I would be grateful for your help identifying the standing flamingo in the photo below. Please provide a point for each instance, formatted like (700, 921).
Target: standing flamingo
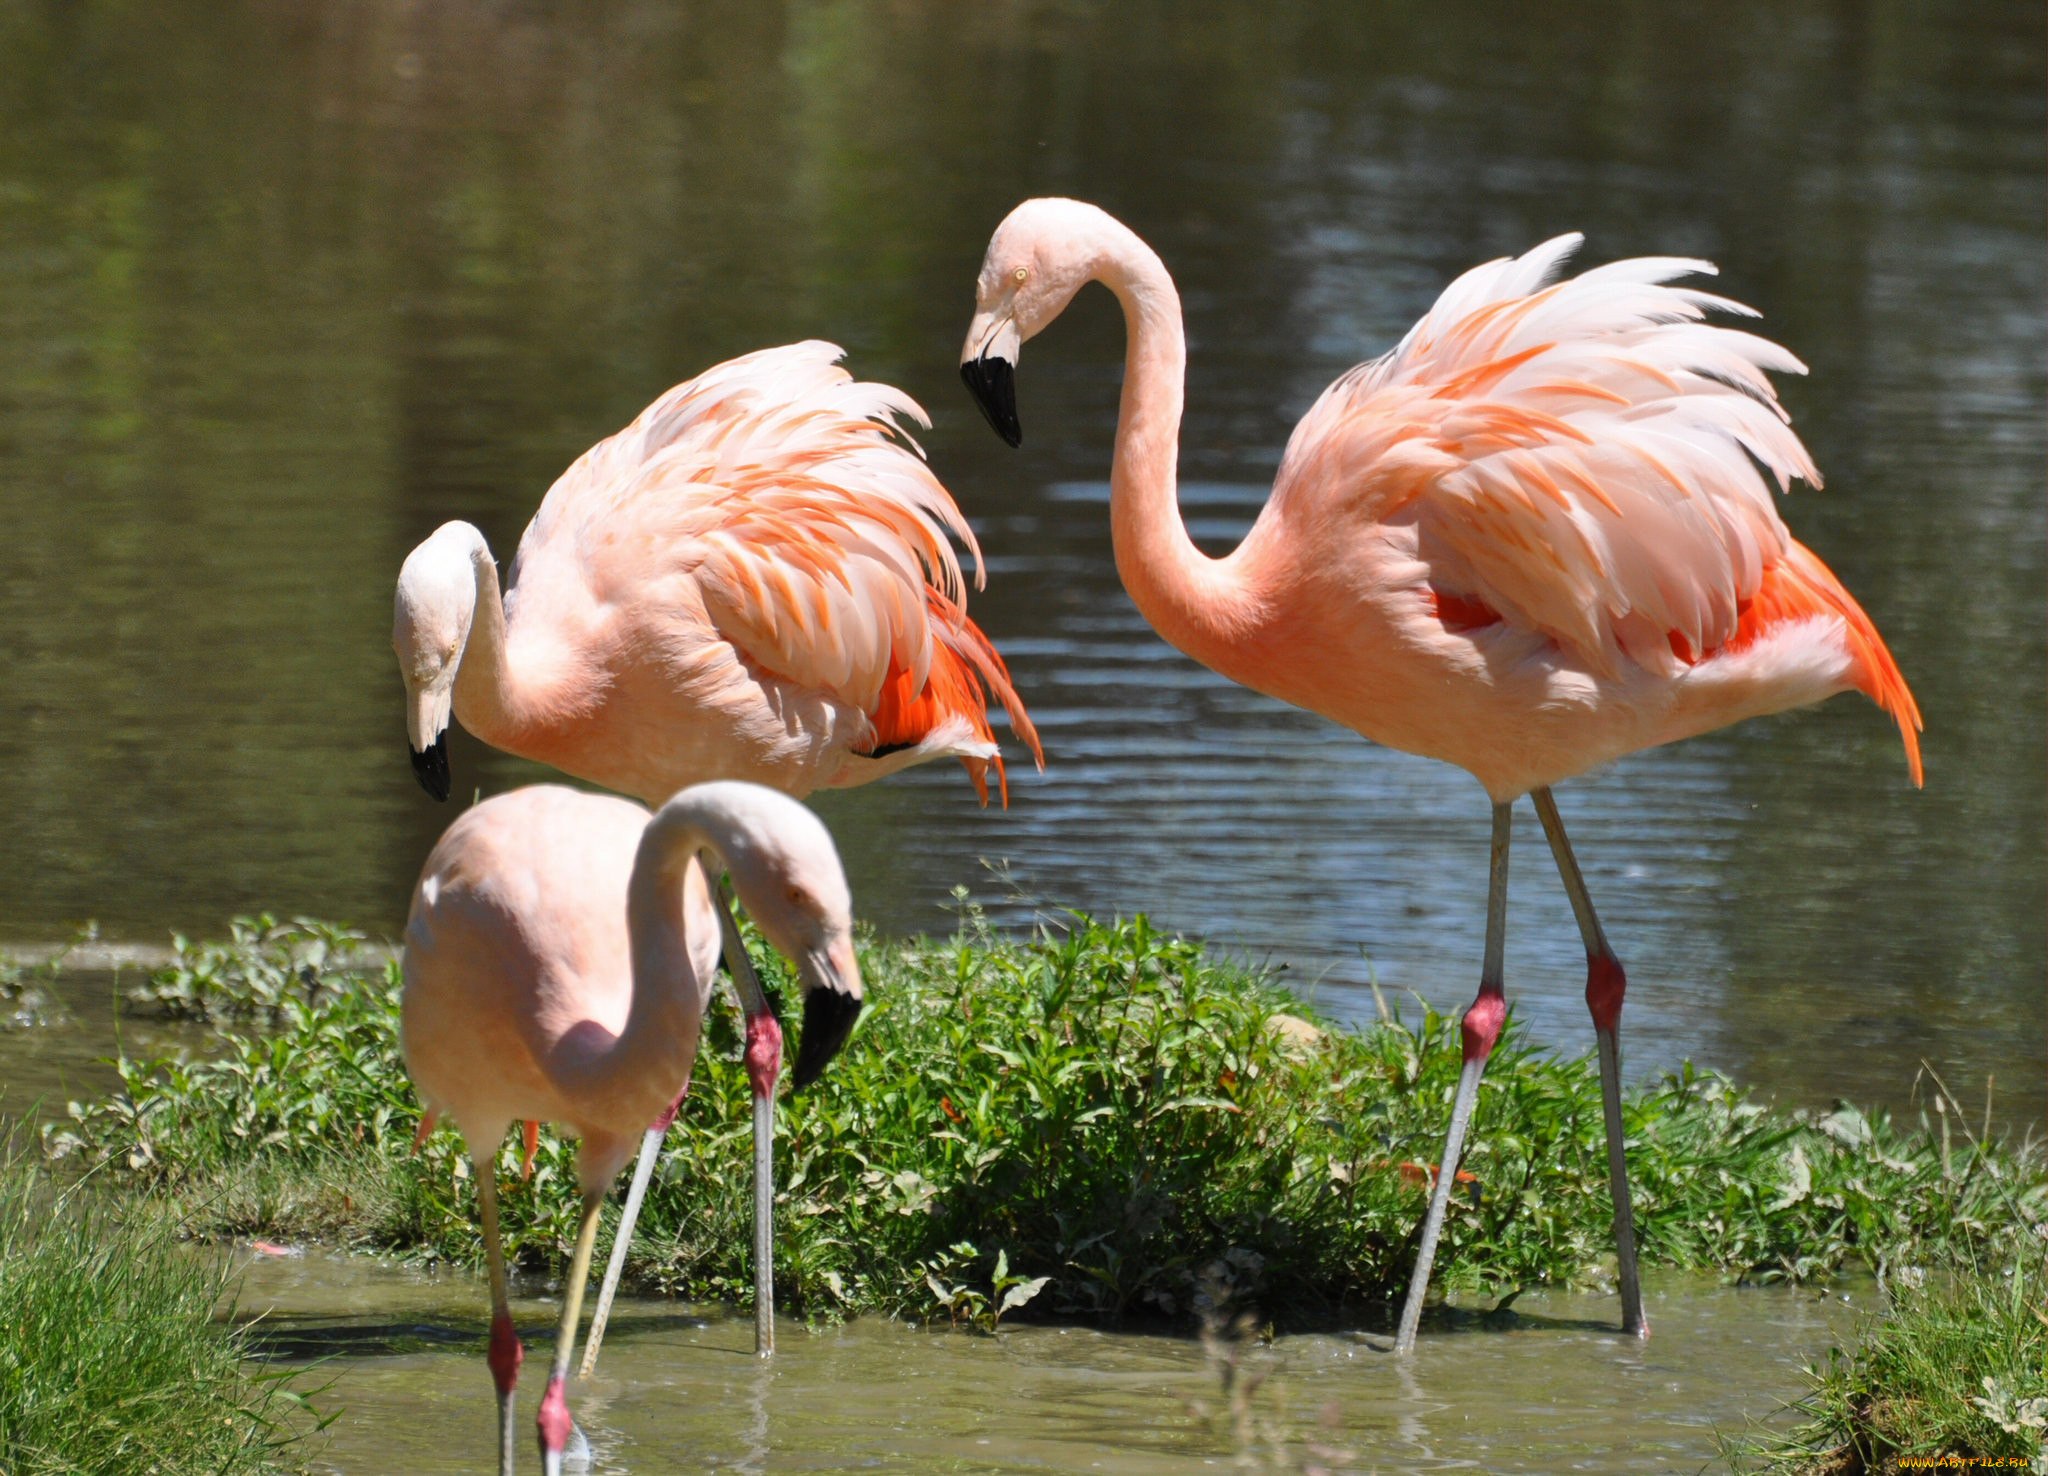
(558, 962)
(1536, 536)
(751, 581)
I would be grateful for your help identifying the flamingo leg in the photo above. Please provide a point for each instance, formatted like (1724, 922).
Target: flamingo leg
(643, 1171)
(1480, 1029)
(764, 1066)
(507, 1353)
(554, 1422)
(1605, 986)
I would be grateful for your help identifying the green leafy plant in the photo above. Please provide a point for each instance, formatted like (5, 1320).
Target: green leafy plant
(1954, 1370)
(1100, 1112)
(965, 1304)
(252, 975)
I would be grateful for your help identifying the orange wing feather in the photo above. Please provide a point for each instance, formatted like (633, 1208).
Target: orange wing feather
(962, 661)
(1592, 460)
(1799, 587)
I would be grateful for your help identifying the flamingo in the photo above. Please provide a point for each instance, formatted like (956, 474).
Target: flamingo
(558, 961)
(751, 581)
(1536, 536)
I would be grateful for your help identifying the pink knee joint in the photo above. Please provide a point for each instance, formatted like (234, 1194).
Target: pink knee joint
(553, 1420)
(507, 1353)
(764, 1053)
(1605, 985)
(1481, 1026)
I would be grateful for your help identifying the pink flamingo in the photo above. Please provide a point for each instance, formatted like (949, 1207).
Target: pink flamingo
(1536, 536)
(751, 581)
(558, 962)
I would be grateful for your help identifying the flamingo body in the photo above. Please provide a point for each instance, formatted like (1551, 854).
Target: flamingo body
(1536, 536)
(519, 982)
(558, 962)
(751, 581)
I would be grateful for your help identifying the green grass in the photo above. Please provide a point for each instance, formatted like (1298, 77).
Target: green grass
(1952, 1374)
(112, 1357)
(1106, 1108)
(1957, 1366)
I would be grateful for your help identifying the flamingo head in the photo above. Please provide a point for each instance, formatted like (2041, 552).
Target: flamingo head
(430, 621)
(787, 875)
(1043, 253)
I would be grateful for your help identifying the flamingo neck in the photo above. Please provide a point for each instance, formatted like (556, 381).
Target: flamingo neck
(659, 1040)
(1202, 605)
(499, 701)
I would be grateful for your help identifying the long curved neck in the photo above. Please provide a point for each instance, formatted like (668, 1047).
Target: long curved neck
(659, 1040)
(1200, 604)
(496, 701)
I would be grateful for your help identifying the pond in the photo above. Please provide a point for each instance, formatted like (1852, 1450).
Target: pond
(288, 283)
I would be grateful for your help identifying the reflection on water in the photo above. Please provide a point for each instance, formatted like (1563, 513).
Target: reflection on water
(1547, 1388)
(289, 284)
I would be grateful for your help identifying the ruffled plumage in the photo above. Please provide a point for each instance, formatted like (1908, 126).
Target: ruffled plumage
(813, 530)
(1590, 459)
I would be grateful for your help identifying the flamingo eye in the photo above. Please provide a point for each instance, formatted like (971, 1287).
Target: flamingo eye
(802, 900)
(1020, 275)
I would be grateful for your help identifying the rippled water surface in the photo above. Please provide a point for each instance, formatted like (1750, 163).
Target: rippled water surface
(1547, 1388)
(284, 285)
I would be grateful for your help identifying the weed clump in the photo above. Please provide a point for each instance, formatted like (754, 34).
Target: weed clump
(1100, 1114)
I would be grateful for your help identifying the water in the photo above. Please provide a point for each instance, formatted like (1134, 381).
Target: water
(1548, 1388)
(288, 284)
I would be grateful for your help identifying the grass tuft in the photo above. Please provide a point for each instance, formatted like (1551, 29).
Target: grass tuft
(112, 1357)
(1955, 1371)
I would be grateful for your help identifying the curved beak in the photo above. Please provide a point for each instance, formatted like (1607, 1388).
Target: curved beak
(430, 766)
(988, 367)
(832, 1003)
(426, 731)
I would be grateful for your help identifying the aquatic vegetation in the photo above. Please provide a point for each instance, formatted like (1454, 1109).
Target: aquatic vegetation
(250, 974)
(26, 1000)
(1101, 1106)
(1953, 1371)
(112, 1357)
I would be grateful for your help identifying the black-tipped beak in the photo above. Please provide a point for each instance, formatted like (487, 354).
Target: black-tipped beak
(992, 380)
(431, 768)
(828, 1019)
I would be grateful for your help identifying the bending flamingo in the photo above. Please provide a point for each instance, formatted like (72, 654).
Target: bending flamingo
(751, 581)
(558, 962)
(1536, 536)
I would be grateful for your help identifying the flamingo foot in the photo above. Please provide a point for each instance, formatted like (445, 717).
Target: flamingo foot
(662, 1123)
(1479, 1030)
(1606, 984)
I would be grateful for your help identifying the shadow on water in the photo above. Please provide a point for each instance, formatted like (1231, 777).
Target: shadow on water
(304, 1339)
